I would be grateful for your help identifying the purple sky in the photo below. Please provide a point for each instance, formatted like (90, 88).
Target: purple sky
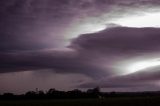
(67, 44)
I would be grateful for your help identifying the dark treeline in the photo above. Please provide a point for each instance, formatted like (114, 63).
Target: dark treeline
(74, 94)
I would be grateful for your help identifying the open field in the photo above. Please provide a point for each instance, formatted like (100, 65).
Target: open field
(119, 101)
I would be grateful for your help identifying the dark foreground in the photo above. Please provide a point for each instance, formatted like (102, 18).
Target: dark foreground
(118, 101)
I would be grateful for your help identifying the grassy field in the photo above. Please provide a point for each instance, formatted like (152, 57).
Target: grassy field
(137, 101)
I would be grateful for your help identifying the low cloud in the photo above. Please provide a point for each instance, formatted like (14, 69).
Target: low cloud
(90, 54)
(147, 79)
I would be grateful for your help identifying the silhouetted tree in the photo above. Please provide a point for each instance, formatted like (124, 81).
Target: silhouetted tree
(8, 95)
(95, 92)
(41, 92)
(31, 94)
(73, 94)
(51, 91)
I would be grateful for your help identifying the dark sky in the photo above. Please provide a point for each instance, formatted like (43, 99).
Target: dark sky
(67, 44)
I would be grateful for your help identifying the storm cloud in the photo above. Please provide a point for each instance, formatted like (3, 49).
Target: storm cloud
(78, 37)
(90, 54)
(39, 24)
(145, 80)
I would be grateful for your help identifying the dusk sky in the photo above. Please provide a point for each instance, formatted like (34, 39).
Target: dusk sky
(68, 44)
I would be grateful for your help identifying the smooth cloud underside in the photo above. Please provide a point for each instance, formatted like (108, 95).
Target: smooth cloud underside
(121, 39)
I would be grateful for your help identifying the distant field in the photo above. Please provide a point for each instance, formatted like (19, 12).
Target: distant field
(136, 101)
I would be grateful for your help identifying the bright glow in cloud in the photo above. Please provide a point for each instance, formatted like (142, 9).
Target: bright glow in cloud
(138, 66)
(146, 20)
(83, 28)
(86, 28)
(89, 28)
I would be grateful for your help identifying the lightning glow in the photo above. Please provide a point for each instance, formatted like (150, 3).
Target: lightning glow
(83, 28)
(86, 28)
(142, 65)
(145, 20)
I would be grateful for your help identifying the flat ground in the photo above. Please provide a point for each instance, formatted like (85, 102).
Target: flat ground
(118, 101)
